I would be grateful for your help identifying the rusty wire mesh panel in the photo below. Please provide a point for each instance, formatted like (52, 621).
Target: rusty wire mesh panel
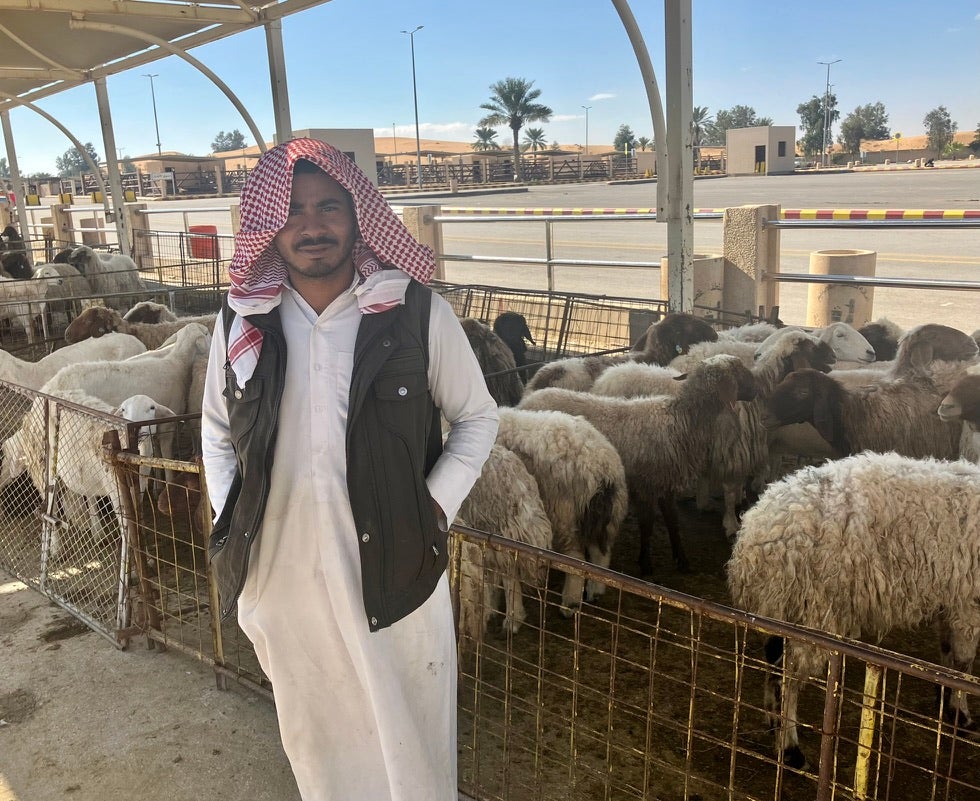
(20, 499)
(648, 693)
(174, 598)
(562, 324)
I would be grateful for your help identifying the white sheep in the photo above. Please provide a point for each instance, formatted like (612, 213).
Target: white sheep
(66, 287)
(859, 547)
(22, 301)
(504, 501)
(33, 375)
(114, 276)
(97, 321)
(663, 441)
(581, 482)
(749, 332)
(635, 380)
(74, 441)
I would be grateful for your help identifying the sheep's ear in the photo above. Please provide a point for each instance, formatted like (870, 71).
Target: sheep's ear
(681, 377)
(920, 354)
(164, 411)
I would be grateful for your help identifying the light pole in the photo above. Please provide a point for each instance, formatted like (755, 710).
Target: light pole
(415, 97)
(586, 129)
(826, 110)
(153, 96)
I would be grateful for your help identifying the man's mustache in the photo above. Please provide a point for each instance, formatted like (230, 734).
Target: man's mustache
(310, 242)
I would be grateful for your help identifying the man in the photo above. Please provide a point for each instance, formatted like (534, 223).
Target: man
(332, 488)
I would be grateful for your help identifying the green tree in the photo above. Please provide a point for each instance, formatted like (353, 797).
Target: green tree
(975, 144)
(4, 169)
(812, 119)
(512, 104)
(865, 122)
(534, 140)
(72, 162)
(700, 120)
(643, 143)
(940, 129)
(624, 137)
(233, 140)
(484, 139)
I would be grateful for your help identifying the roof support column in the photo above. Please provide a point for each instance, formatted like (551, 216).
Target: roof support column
(277, 74)
(680, 151)
(115, 182)
(8, 138)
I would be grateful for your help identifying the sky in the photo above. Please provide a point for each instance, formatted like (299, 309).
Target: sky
(349, 65)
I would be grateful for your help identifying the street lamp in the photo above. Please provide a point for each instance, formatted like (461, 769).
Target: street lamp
(415, 97)
(586, 129)
(826, 110)
(153, 96)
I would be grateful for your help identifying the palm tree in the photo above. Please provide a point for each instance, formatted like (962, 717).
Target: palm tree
(534, 140)
(643, 143)
(700, 122)
(512, 104)
(484, 139)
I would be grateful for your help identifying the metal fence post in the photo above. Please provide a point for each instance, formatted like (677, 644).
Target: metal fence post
(420, 222)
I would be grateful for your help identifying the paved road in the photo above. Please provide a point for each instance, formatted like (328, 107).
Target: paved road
(903, 253)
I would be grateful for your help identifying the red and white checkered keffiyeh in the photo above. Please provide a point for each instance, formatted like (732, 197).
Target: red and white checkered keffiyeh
(257, 270)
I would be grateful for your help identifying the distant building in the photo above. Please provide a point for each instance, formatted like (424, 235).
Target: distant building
(763, 149)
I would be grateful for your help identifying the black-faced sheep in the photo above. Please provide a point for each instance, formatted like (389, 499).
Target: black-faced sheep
(96, 321)
(883, 335)
(858, 547)
(582, 484)
(663, 441)
(496, 362)
(512, 328)
(13, 256)
(895, 416)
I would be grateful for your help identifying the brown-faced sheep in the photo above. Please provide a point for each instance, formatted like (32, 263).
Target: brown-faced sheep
(96, 321)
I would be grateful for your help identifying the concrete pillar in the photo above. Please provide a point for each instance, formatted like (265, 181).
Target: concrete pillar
(142, 244)
(236, 217)
(61, 221)
(420, 222)
(751, 252)
(708, 278)
(836, 303)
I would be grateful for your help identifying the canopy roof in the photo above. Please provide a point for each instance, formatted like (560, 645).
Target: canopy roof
(44, 50)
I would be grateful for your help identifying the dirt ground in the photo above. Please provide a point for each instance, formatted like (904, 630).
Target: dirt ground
(81, 720)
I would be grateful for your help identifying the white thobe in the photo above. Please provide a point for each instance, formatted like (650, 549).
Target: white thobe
(366, 716)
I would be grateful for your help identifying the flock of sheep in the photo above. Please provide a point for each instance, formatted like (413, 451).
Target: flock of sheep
(881, 531)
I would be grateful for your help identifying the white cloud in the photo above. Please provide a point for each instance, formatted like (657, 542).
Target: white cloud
(431, 130)
(566, 117)
(602, 96)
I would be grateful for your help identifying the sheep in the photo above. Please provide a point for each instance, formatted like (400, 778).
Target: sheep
(895, 416)
(739, 446)
(504, 501)
(496, 362)
(851, 348)
(64, 281)
(962, 404)
(581, 482)
(148, 311)
(750, 332)
(859, 547)
(13, 254)
(663, 441)
(97, 321)
(63, 256)
(883, 335)
(635, 380)
(512, 328)
(23, 301)
(672, 336)
(33, 375)
(77, 439)
(110, 275)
